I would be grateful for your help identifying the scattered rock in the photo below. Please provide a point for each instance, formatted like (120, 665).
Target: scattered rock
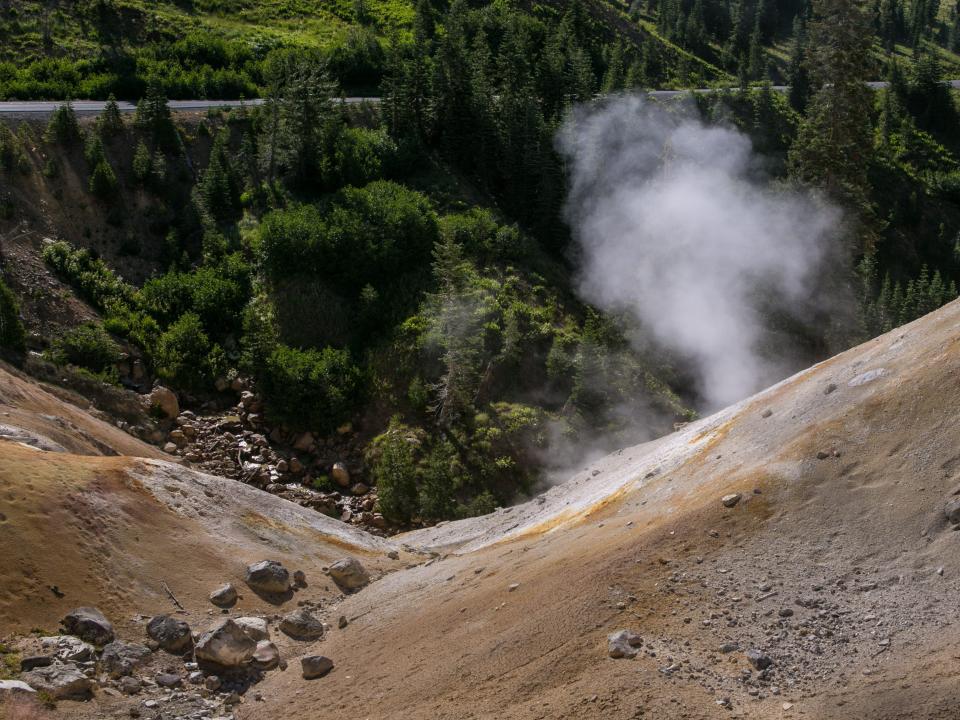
(34, 661)
(340, 474)
(15, 686)
(266, 656)
(785, 612)
(169, 680)
(315, 666)
(165, 400)
(129, 685)
(256, 628)
(759, 659)
(268, 576)
(821, 455)
(68, 648)
(512, 586)
(767, 413)
(63, 681)
(120, 658)
(349, 574)
(393, 555)
(171, 634)
(731, 500)
(225, 644)
(360, 489)
(224, 596)
(212, 683)
(302, 625)
(342, 622)
(623, 644)
(300, 578)
(89, 624)
(952, 511)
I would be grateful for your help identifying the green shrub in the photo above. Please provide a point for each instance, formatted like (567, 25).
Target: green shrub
(88, 346)
(12, 334)
(94, 281)
(357, 60)
(318, 389)
(185, 356)
(142, 162)
(480, 235)
(393, 468)
(357, 156)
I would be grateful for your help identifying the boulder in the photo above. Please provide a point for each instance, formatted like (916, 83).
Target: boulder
(169, 680)
(224, 596)
(34, 661)
(129, 685)
(340, 474)
(67, 648)
(315, 666)
(952, 511)
(225, 645)
(171, 634)
(120, 658)
(63, 681)
(255, 627)
(89, 624)
(14, 686)
(266, 656)
(349, 574)
(302, 625)
(623, 644)
(165, 400)
(268, 576)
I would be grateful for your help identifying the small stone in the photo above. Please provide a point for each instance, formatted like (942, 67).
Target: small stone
(224, 596)
(623, 644)
(266, 657)
(256, 628)
(342, 622)
(129, 685)
(302, 625)
(512, 586)
(393, 555)
(169, 680)
(349, 574)
(171, 634)
(821, 455)
(952, 511)
(759, 659)
(785, 612)
(212, 683)
(731, 500)
(767, 413)
(300, 578)
(268, 576)
(120, 658)
(315, 666)
(34, 661)
(340, 474)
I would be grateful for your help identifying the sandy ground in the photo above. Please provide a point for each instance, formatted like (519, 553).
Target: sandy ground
(837, 563)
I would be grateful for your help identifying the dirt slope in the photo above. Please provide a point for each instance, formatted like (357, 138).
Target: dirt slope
(837, 563)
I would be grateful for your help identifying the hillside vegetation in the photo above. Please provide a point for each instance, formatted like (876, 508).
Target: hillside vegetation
(401, 275)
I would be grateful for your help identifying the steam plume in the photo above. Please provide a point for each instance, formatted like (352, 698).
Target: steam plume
(676, 224)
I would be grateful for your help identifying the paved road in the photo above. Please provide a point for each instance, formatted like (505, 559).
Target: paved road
(92, 107)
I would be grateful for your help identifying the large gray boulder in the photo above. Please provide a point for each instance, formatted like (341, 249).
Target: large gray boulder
(349, 574)
(67, 648)
(225, 645)
(224, 596)
(63, 681)
(302, 625)
(121, 658)
(171, 634)
(89, 624)
(268, 576)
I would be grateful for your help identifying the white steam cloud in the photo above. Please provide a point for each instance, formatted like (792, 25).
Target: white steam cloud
(677, 225)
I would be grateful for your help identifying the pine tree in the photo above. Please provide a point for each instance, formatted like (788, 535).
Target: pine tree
(797, 73)
(835, 139)
(110, 122)
(63, 126)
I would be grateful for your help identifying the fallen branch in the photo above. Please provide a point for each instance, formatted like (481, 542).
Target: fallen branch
(172, 596)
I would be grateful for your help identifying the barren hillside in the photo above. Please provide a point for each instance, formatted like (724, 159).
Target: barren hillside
(789, 556)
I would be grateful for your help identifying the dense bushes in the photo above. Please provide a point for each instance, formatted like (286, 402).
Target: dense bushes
(318, 389)
(88, 346)
(185, 356)
(368, 235)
